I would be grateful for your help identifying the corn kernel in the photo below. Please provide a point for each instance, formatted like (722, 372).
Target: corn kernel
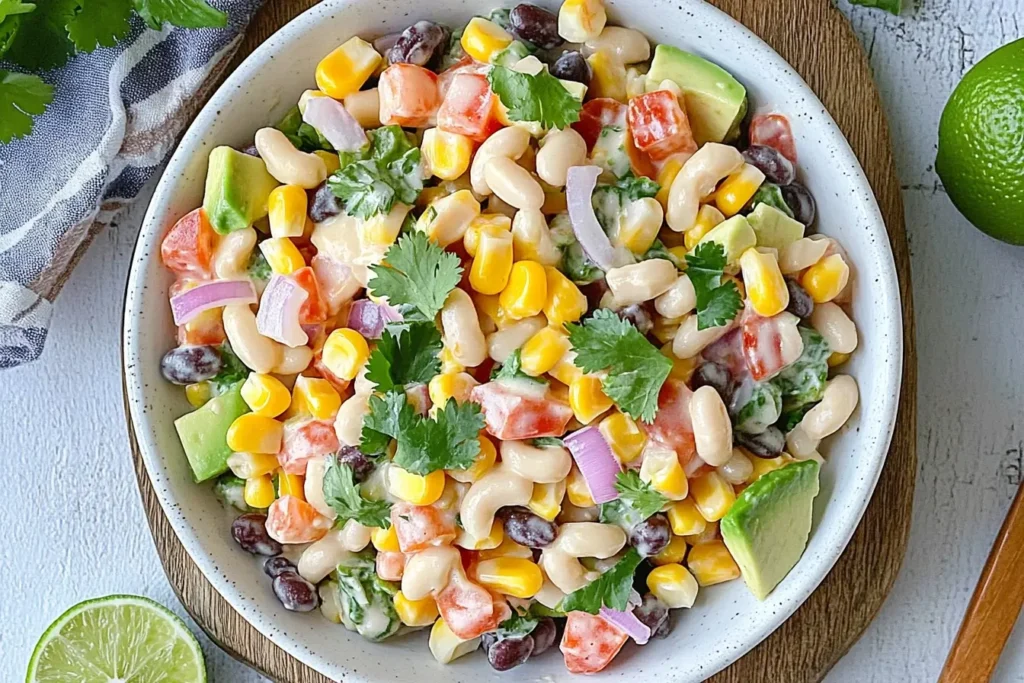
(736, 190)
(492, 264)
(331, 161)
(709, 534)
(346, 69)
(665, 329)
(415, 488)
(259, 491)
(565, 302)
(382, 230)
(265, 395)
(673, 553)
(282, 255)
(486, 223)
(492, 540)
(766, 288)
(526, 292)
(581, 20)
(624, 436)
(679, 252)
(507, 548)
(640, 223)
(513, 576)
(711, 563)
(565, 370)
(763, 466)
(316, 396)
(836, 359)
(713, 496)
(546, 501)
(578, 490)
(448, 362)
(198, 394)
(707, 218)
(544, 350)
(482, 39)
(667, 174)
(587, 399)
(446, 154)
(826, 278)
(446, 219)
(661, 468)
(685, 519)
(488, 308)
(416, 612)
(482, 464)
(254, 433)
(446, 646)
(249, 465)
(291, 485)
(609, 75)
(450, 385)
(682, 368)
(673, 585)
(345, 352)
(385, 540)
(287, 205)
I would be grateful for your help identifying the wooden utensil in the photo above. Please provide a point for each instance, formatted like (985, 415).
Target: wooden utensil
(995, 606)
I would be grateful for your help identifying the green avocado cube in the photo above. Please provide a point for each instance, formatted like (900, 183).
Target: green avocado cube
(774, 228)
(734, 234)
(204, 433)
(237, 188)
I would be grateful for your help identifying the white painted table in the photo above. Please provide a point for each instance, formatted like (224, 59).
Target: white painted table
(73, 528)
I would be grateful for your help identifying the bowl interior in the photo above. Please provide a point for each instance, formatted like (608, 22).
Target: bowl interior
(726, 621)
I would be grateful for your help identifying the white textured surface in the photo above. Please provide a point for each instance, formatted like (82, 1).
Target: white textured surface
(73, 526)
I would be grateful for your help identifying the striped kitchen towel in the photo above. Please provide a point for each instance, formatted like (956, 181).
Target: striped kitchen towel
(115, 117)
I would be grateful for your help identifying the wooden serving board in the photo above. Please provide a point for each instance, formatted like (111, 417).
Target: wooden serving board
(822, 48)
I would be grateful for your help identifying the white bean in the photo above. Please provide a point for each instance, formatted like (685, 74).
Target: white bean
(629, 45)
(836, 407)
(232, 253)
(572, 513)
(531, 238)
(313, 488)
(547, 465)
(698, 178)
(560, 150)
(737, 469)
(321, 558)
(712, 428)
(502, 343)
(364, 105)
(355, 536)
(678, 300)
(462, 334)
(427, 572)
(258, 353)
(575, 540)
(791, 344)
(801, 446)
(835, 326)
(348, 425)
(639, 282)
(498, 488)
(689, 341)
(293, 360)
(803, 253)
(508, 142)
(513, 184)
(287, 164)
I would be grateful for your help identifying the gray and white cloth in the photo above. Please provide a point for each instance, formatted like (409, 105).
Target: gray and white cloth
(116, 115)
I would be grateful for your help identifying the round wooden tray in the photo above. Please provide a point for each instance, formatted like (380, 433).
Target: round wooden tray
(816, 39)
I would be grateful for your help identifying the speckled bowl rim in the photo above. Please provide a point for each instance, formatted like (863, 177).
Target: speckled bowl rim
(803, 580)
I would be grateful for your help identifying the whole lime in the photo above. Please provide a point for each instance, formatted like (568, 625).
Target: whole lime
(981, 144)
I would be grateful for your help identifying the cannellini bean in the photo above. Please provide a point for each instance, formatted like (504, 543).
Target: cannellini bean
(258, 353)
(737, 469)
(629, 45)
(513, 184)
(572, 513)
(462, 334)
(835, 326)
(560, 150)
(836, 407)
(496, 489)
(639, 282)
(712, 429)
(698, 178)
(803, 253)
(801, 446)
(321, 558)
(689, 341)
(287, 164)
(509, 142)
(313, 488)
(547, 465)
(355, 536)
(348, 425)
(293, 360)
(232, 253)
(364, 105)
(678, 300)
(531, 238)
(579, 539)
(502, 343)
(549, 594)
(427, 572)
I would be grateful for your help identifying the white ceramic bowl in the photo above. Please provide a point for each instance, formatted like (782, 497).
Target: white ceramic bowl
(727, 621)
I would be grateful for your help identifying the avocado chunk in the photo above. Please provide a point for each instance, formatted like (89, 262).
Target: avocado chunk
(734, 234)
(715, 101)
(773, 228)
(204, 433)
(767, 527)
(237, 188)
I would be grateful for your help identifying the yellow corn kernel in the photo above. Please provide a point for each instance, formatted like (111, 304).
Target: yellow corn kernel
(282, 255)
(669, 171)
(623, 435)
(415, 488)
(482, 464)
(385, 540)
(382, 230)
(448, 362)
(492, 264)
(486, 223)
(662, 470)
(259, 491)
(249, 465)
(763, 466)
(316, 396)
(707, 218)
(565, 370)
(448, 385)
(587, 399)
(492, 540)
(199, 393)
(416, 612)
(291, 485)
(482, 39)
(713, 496)
(429, 195)
(673, 585)
(265, 395)
(673, 553)
(837, 359)
(446, 646)
(565, 302)
(287, 206)
(446, 154)
(526, 292)
(542, 351)
(446, 219)
(507, 548)
(609, 75)
(736, 190)
(709, 534)
(679, 252)
(546, 501)
(682, 369)
(685, 519)
(826, 278)
(766, 288)
(330, 159)
(513, 576)
(254, 433)
(665, 329)
(711, 563)
(489, 310)
(345, 70)
(345, 352)
(578, 490)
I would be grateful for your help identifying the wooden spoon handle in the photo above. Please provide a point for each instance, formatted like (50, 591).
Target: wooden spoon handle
(994, 607)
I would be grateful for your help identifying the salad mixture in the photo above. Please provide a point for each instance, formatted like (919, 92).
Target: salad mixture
(517, 331)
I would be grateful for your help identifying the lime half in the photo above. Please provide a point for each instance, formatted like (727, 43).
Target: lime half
(117, 639)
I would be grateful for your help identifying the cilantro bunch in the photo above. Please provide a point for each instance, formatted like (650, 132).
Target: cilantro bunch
(717, 303)
(610, 590)
(416, 275)
(45, 35)
(344, 495)
(540, 97)
(372, 180)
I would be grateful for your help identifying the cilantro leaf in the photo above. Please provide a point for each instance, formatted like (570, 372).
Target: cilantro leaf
(343, 495)
(540, 97)
(416, 274)
(302, 135)
(512, 368)
(638, 494)
(636, 370)
(717, 303)
(231, 372)
(386, 418)
(517, 625)
(372, 181)
(659, 250)
(405, 354)
(447, 442)
(99, 22)
(184, 13)
(610, 590)
(22, 96)
(632, 187)
(42, 39)
(546, 441)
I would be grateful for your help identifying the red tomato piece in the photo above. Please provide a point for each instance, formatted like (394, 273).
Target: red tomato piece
(728, 352)
(469, 107)
(314, 310)
(293, 520)
(659, 125)
(470, 610)
(408, 95)
(187, 247)
(421, 526)
(773, 130)
(595, 115)
(305, 439)
(770, 344)
(590, 643)
(390, 565)
(510, 414)
(672, 426)
(467, 65)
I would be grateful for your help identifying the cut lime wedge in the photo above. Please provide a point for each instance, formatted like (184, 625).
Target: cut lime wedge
(117, 639)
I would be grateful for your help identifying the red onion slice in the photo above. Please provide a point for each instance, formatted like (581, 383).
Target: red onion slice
(278, 316)
(369, 318)
(627, 622)
(579, 192)
(596, 461)
(214, 294)
(335, 123)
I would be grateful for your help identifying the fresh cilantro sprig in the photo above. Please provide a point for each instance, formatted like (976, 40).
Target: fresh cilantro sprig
(717, 303)
(232, 370)
(540, 97)
(387, 417)
(638, 494)
(547, 441)
(416, 275)
(517, 625)
(512, 368)
(388, 170)
(405, 354)
(342, 493)
(610, 590)
(636, 370)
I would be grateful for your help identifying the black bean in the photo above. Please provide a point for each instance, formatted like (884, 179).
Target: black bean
(800, 201)
(526, 528)
(535, 25)
(572, 67)
(275, 566)
(544, 635)
(767, 444)
(715, 375)
(776, 168)
(295, 593)
(190, 364)
(800, 302)
(250, 532)
(419, 43)
(509, 653)
(251, 151)
(654, 614)
(639, 316)
(651, 536)
(361, 465)
(325, 204)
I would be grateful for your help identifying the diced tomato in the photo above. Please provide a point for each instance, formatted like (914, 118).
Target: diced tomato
(304, 439)
(770, 344)
(595, 115)
(188, 245)
(390, 565)
(467, 65)
(470, 610)
(408, 95)
(659, 125)
(314, 310)
(773, 130)
(672, 426)
(469, 557)
(590, 643)
(639, 161)
(510, 414)
(293, 520)
(421, 526)
(728, 352)
(469, 107)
